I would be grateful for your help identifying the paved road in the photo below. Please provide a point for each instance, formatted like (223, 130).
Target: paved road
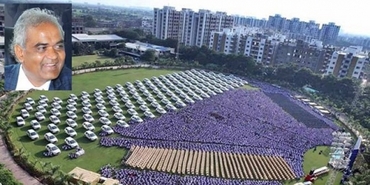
(19, 174)
(6, 159)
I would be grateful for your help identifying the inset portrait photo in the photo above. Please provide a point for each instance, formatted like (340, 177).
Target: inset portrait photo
(38, 46)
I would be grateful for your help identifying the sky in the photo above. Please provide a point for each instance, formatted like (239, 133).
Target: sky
(353, 16)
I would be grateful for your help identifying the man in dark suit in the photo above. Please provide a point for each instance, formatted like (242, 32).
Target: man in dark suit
(38, 47)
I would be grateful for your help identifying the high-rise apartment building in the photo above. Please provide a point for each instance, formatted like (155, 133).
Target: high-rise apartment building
(246, 41)
(191, 28)
(166, 23)
(348, 62)
(302, 54)
(329, 33)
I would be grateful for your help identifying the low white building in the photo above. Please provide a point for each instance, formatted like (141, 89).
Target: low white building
(140, 48)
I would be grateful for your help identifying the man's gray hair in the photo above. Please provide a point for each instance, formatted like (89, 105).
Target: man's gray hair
(31, 18)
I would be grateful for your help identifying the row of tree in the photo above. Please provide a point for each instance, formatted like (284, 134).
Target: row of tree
(6, 177)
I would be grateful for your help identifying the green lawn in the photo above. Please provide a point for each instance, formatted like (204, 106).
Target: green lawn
(95, 156)
(312, 160)
(249, 87)
(78, 60)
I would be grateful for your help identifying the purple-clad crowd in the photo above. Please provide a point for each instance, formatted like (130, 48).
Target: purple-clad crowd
(236, 121)
(136, 177)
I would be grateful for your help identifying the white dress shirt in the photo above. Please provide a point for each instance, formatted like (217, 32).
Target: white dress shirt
(24, 84)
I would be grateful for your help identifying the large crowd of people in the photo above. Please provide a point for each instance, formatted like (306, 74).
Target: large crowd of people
(236, 121)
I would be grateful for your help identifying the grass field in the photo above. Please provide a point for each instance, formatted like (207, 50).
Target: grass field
(312, 160)
(95, 156)
(78, 60)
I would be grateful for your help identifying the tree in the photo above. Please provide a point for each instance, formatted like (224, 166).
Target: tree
(149, 55)
(89, 21)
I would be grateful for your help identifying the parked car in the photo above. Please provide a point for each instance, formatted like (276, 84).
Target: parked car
(71, 142)
(35, 124)
(53, 149)
(90, 135)
(53, 128)
(32, 134)
(25, 113)
(88, 126)
(107, 129)
(50, 137)
(70, 131)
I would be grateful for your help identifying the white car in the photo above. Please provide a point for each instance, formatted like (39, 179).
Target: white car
(90, 135)
(56, 105)
(189, 100)
(84, 93)
(97, 91)
(98, 96)
(117, 109)
(161, 110)
(41, 109)
(144, 108)
(103, 113)
(88, 126)
(71, 114)
(71, 108)
(39, 116)
(204, 95)
(86, 104)
(171, 107)
(72, 123)
(150, 99)
(112, 97)
(165, 101)
(122, 123)
(71, 142)
(71, 102)
(32, 134)
(55, 112)
(119, 116)
(113, 103)
(53, 128)
(107, 129)
(88, 118)
(125, 99)
(85, 98)
(196, 97)
(105, 121)
(54, 119)
(30, 101)
(28, 106)
(44, 98)
(100, 106)
(70, 131)
(141, 102)
(155, 104)
(180, 104)
(129, 105)
(50, 137)
(100, 101)
(136, 118)
(25, 113)
(53, 149)
(132, 112)
(73, 97)
(86, 110)
(57, 100)
(35, 124)
(149, 114)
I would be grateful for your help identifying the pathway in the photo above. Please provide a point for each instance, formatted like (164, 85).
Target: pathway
(6, 158)
(21, 175)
